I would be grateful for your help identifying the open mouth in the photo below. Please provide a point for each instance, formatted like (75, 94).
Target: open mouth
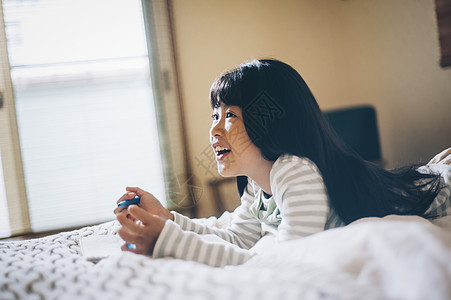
(221, 150)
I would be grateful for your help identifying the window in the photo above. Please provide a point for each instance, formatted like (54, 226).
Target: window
(84, 105)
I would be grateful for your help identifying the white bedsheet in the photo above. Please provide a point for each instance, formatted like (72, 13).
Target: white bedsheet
(389, 258)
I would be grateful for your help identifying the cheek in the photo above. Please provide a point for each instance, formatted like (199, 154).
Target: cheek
(236, 131)
(228, 126)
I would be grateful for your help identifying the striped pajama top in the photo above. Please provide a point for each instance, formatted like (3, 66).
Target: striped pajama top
(300, 194)
(301, 198)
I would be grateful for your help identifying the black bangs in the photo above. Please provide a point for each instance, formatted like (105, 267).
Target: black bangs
(216, 91)
(226, 89)
(237, 85)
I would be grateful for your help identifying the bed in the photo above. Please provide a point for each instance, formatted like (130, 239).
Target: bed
(374, 258)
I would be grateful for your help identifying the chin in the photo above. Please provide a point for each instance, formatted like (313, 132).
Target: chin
(227, 175)
(224, 172)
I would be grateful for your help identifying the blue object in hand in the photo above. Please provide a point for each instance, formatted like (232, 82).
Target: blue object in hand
(130, 201)
(130, 246)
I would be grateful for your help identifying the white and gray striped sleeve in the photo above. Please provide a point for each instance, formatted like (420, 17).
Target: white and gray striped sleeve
(185, 238)
(244, 229)
(223, 221)
(301, 196)
(177, 243)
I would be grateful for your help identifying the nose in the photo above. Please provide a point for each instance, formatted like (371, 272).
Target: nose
(217, 128)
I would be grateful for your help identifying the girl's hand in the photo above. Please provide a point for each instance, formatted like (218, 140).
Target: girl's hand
(141, 229)
(148, 202)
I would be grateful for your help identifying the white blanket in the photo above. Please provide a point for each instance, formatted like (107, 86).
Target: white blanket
(389, 258)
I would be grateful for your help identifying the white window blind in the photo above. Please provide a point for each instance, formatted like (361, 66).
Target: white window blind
(84, 106)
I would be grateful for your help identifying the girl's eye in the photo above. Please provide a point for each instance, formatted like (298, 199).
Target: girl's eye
(215, 117)
(230, 115)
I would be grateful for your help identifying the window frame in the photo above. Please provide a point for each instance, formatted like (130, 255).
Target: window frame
(16, 195)
(169, 106)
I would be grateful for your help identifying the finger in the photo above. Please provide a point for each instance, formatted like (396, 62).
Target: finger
(130, 223)
(126, 196)
(137, 190)
(142, 215)
(128, 236)
(124, 211)
(118, 210)
(131, 218)
(133, 241)
(126, 219)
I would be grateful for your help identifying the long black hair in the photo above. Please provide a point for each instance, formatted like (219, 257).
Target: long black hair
(281, 116)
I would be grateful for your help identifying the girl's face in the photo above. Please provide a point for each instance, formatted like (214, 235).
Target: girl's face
(234, 151)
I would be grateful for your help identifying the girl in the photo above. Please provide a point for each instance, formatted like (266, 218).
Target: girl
(295, 178)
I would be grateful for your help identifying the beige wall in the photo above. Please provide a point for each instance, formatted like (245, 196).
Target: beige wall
(383, 53)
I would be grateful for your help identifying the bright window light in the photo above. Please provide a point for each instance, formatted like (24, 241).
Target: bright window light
(84, 104)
